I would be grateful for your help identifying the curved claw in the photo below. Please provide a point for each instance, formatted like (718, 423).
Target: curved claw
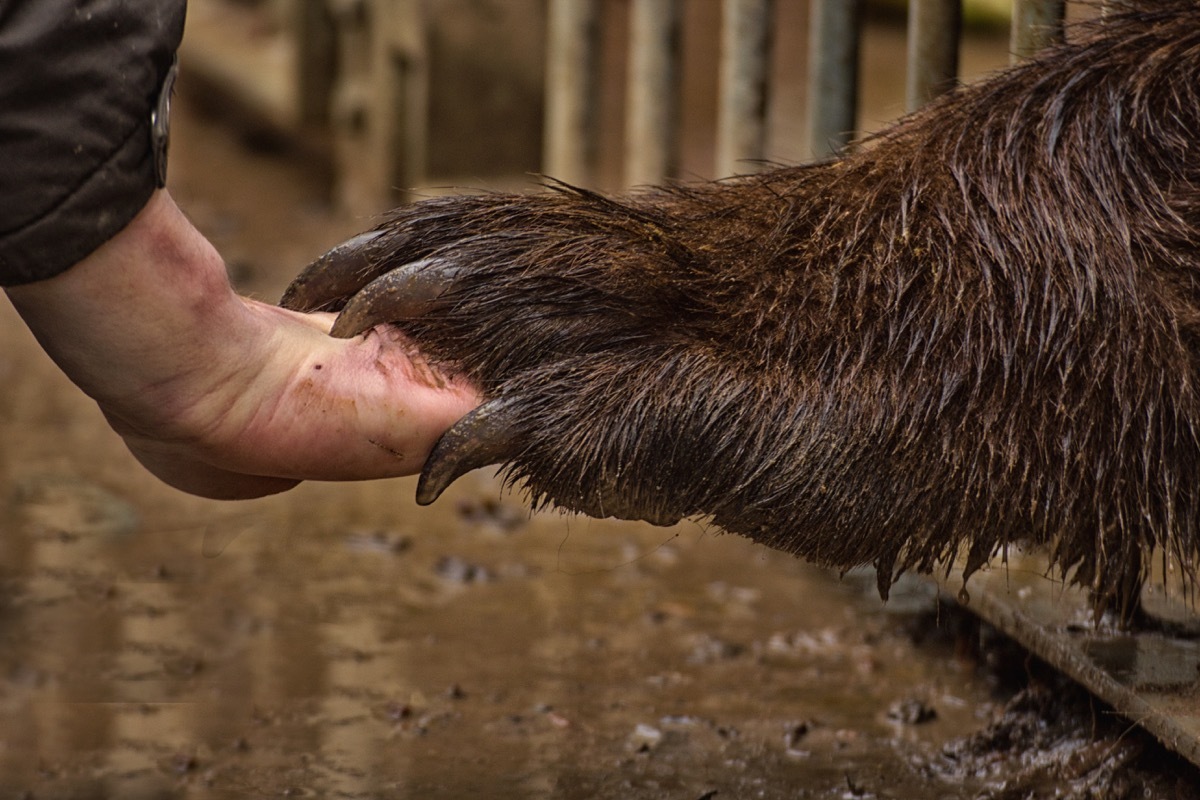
(338, 274)
(488, 435)
(406, 292)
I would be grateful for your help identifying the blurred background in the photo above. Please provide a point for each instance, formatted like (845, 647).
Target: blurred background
(398, 96)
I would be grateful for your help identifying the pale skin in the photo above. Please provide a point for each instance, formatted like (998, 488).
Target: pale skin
(223, 396)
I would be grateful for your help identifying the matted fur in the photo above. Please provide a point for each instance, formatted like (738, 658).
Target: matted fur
(981, 328)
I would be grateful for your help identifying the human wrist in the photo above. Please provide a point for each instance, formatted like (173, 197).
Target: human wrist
(133, 314)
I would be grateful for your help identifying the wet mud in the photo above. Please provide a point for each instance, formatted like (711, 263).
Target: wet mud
(343, 643)
(339, 641)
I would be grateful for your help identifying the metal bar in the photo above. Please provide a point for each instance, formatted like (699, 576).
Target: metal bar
(832, 74)
(570, 90)
(933, 31)
(1036, 24)
(745, 57)
(652, 97)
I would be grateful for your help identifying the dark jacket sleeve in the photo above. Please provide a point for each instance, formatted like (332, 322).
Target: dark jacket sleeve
(79, 81)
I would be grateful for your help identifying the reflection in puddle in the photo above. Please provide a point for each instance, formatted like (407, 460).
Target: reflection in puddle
(309, 657)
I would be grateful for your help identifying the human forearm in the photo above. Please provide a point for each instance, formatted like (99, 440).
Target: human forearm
(224, 396)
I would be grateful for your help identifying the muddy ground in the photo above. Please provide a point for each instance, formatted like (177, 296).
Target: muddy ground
(339, 641)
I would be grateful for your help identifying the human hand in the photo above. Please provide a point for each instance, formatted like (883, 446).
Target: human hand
(223, 396)
(597, 329)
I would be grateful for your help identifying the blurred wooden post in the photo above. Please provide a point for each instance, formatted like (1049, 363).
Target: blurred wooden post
(832, 74)
(401, 95)
(1036, 24)
(745, 60)
(570, 90)
(652, 94)
(933, 30)
(311, 29)
(380, 102)
(350, 106)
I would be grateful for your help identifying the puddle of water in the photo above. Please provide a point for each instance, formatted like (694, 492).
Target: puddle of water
(299, 660)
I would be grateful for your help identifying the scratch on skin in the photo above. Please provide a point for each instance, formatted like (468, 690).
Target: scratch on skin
(390, 450)
(419, 369)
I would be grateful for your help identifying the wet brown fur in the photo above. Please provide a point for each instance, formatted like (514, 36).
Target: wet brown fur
(982, 328)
